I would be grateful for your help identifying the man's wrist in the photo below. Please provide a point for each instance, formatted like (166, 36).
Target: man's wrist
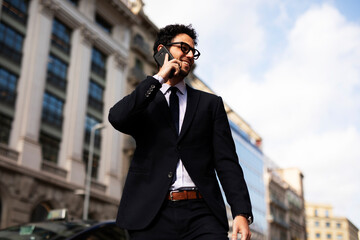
(159, 78)
(248, 218)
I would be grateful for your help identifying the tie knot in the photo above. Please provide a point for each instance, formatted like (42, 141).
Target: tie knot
(173, 90)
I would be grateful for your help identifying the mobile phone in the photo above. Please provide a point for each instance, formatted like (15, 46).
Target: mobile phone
(160, 56)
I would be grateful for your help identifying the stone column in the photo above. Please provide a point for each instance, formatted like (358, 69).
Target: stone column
(27, 118)
(75, 106)
(111, 165)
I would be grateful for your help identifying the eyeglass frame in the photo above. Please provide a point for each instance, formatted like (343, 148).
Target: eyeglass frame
(194, 50)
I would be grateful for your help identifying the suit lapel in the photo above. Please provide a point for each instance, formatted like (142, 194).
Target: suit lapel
(191, 106)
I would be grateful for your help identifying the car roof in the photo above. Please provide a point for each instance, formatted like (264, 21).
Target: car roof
(52, 229)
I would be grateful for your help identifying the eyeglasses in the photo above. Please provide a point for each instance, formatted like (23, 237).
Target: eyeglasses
(185, 48)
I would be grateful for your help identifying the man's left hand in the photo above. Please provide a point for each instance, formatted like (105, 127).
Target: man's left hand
(241, 226)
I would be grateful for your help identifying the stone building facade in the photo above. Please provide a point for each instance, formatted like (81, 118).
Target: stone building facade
(63, 63)
(285, 203)
(321, 224)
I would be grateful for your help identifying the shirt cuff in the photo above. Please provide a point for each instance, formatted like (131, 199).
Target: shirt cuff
(159, 78)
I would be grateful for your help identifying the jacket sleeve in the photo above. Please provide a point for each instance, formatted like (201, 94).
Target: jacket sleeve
(227, 165)
(126, 114)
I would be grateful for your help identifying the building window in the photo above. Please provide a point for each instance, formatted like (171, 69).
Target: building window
(11, 43)
(96, 96)
(50, 147)
(316, 212)
(98, 62)
(17, 9)
(139, 64)
(52, 112)
(283, 235)
(89, 123)
(339, 237)
(317, 224)
(138, 39)
(317, 235)
(8, 83)
(138, 70)
(95, 165)
(326, 213)
(60, 37)
(327, 224)
(140, 43)
(74, 2)
(338, 225)
(328, 236)
(57, 72)
(5, 127)
(105, 25)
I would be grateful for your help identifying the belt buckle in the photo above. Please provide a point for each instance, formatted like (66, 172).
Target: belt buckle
(171, 195)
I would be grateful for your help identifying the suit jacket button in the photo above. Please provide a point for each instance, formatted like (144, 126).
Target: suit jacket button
(170, 174)
(152, 86)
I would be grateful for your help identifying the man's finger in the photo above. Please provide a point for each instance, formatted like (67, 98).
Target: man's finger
(234, 236)
(166, 59)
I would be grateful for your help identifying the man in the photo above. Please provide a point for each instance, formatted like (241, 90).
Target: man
(183, 142)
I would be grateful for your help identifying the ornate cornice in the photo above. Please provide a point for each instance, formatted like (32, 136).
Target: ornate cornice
(88, 36)
(49, 7)
(120, 61)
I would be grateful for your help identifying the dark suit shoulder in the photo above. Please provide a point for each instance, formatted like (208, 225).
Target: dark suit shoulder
(202, 93)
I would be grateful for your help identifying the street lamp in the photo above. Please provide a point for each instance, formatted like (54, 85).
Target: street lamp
(89, 169)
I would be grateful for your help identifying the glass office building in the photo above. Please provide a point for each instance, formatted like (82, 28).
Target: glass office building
(251, 161)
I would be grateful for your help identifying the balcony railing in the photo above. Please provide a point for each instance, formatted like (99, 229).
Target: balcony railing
(136, 75)
(278, 221)
(141, 46)
(7, 152)
(278, 203)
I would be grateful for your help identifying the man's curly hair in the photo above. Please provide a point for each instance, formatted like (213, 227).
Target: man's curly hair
(167, 33)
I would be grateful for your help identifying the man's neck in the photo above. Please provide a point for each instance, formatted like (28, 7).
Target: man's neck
(174, 81)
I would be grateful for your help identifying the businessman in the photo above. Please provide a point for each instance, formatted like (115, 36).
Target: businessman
(183, 143)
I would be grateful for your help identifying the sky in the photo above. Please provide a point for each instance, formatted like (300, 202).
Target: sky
(291, 69)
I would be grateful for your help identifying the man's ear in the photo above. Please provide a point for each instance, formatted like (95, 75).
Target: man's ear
(159, 47)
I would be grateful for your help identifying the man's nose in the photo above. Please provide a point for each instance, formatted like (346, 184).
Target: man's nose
(190, 54)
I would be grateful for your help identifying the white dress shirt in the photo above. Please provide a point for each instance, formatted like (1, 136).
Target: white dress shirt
(183, 179)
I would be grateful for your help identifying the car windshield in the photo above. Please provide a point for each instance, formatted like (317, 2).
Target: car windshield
(43, 230)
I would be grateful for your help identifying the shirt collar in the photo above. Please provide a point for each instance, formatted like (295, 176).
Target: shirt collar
(181, 86)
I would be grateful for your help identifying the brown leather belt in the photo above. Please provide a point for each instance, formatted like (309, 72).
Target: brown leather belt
(184, 195)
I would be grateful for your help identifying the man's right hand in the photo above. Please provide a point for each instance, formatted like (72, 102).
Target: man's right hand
(169, 68)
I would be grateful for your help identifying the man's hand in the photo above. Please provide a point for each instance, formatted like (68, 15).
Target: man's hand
(241, 226)
(174, 65)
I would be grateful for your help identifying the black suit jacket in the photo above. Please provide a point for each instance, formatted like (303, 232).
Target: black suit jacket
(205, 146)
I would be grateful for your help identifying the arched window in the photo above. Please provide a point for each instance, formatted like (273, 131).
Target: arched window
(138, 39)
(40, 212)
